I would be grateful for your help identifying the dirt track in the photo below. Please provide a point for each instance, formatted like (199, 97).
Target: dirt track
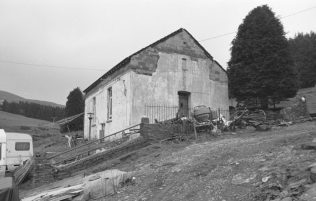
(226, 168)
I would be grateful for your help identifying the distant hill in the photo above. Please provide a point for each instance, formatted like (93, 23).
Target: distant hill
(10, 97)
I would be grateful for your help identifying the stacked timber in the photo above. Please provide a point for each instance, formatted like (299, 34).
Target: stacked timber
(21, 172)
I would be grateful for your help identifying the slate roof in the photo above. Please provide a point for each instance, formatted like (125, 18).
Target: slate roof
(127, 59)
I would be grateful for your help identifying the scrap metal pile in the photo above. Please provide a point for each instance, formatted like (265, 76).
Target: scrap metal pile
(204, 117)
(244, 117)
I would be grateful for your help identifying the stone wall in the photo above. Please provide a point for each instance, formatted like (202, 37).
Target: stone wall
(158, 132)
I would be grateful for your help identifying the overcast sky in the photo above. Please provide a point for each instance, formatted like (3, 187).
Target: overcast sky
(92, 36)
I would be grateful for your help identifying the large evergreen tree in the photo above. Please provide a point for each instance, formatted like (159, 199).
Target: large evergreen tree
(261, 66)
(74, 105)
(303, 49)
(75, 102)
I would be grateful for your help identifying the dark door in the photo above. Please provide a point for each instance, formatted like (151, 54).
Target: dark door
(101, 132)
(183, 103)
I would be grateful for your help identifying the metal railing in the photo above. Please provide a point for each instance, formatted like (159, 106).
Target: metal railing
(167, 112)
(85, 150)
(160, 112)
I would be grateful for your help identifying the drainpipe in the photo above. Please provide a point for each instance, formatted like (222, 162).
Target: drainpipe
(90, 118)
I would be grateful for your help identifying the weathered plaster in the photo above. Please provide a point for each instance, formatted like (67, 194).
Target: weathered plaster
(109, 79)
(183, 44)
(216, 73)
(121, 99)
(162, 87)
(155, 75)
(145, 62)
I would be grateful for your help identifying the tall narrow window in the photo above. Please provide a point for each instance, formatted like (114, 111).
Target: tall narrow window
(109, 103)
(94, 109)
(184, 64)
(184, 73)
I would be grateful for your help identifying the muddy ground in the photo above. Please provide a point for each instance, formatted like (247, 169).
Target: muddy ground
(246, 165)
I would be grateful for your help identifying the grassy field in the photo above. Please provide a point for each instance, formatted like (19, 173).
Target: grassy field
(17, 123)
(46, 135)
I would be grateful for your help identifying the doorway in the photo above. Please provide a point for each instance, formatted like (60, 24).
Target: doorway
(183, 104)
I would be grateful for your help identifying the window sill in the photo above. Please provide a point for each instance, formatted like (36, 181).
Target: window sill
(109, 121)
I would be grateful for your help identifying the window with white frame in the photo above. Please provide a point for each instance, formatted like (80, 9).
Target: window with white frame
(109, 103)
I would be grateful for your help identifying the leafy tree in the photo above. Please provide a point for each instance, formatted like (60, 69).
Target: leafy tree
(75, 105)
(303, 49)
(261, 66)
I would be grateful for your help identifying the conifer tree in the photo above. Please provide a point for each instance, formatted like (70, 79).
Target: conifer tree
(75, 105)
(303, 50)
(261, 66)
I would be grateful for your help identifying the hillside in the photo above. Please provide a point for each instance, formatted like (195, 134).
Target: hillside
(46, 135)
(14, 122)
(10, 97)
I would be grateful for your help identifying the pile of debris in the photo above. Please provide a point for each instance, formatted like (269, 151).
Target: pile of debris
(96, 186)
(244, 117)
(207, 120)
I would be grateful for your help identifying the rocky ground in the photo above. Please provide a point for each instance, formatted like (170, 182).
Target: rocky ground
(246, 165)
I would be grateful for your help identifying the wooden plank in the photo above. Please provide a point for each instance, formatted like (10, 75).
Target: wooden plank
(85, 153)
(64, 197)
(94, 141)
(117, 150)
(21, 172)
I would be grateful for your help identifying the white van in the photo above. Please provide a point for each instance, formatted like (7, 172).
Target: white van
(15, 148)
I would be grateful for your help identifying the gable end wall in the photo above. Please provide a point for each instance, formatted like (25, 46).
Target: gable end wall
(158, 75)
